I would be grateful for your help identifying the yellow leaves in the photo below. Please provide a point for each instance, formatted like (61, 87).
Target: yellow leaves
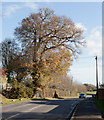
(45, 80)
(39, 89)
(3, 79)
(44, 63)
(29, 64)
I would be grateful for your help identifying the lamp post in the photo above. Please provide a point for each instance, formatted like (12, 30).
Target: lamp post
(96, 76)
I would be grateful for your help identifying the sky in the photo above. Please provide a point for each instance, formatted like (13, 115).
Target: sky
(86, 15)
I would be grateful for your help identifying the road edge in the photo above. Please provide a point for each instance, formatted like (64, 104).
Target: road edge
(74, 111)
(71, 114)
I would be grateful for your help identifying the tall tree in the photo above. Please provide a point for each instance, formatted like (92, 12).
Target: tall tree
(12, 60)
(43, 32)
(9, 51)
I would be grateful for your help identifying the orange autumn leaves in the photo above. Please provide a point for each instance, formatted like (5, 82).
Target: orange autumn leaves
(49, 42)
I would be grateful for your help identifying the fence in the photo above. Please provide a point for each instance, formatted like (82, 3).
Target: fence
(101, 93)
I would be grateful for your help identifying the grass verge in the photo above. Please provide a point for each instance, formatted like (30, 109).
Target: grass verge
(5, 101)
(100, 105)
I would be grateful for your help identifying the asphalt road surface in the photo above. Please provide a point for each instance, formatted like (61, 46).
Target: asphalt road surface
(86, 110)
(39, 110)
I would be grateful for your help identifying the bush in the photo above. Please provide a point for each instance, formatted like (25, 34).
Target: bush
(18, 91)
(29, 92)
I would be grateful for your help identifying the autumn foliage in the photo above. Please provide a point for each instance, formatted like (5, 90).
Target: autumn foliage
(46, 44)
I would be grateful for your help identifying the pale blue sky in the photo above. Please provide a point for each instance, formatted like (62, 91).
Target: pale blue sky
(83, 14)
(89, 14)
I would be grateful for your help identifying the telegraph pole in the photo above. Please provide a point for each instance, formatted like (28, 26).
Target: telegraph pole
(96, 76)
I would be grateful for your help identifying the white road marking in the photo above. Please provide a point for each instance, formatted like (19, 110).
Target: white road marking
(33, 108)
(15, 107)
(12, 116)
(29, 110)
(24, 111)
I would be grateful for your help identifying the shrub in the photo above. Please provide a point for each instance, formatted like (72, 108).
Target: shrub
(18, 90)
(29, 92)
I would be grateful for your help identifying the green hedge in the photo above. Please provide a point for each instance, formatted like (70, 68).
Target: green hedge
(18, 90)
(100, 104)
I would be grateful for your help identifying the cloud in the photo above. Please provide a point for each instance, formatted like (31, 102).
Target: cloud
(79, 25)
(31, 5)
(9, 10)
(94, 42)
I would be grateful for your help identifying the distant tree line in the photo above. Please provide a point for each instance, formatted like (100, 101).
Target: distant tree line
(90, 87)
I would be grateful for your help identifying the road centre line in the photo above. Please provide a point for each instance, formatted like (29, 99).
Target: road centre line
(33, 108)
(15, 107)
(37, 107)
(24, 111)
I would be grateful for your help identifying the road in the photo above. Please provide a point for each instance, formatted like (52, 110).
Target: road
(39, 110)
(86, 110)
